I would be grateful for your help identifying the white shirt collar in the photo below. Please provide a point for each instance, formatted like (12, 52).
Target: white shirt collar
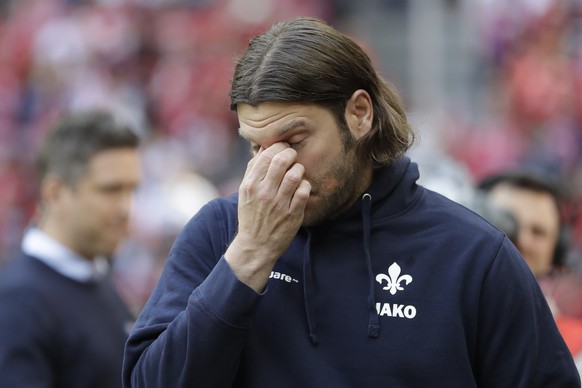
(43, 247)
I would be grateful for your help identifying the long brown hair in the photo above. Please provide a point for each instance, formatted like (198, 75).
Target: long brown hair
(306, 60)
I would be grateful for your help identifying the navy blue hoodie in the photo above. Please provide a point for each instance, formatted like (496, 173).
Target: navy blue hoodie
(405, 289)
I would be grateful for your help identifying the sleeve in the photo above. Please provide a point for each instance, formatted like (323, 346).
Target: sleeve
(519, 344)
(25, 341)
(192, 330)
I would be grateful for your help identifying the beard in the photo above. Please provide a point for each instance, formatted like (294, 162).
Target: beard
(334, 191)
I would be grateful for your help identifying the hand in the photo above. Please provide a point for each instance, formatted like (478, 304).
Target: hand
(272, 199)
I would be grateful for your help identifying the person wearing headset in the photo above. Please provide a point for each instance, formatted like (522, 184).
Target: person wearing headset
(535, 204)
(541, 235)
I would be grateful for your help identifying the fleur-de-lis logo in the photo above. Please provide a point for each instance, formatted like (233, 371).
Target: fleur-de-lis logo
(393, 279)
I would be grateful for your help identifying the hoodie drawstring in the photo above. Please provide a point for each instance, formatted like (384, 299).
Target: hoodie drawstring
(373, 326)
(308, 292)
(308, 297)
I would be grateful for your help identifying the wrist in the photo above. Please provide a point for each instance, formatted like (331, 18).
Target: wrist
(251, 266)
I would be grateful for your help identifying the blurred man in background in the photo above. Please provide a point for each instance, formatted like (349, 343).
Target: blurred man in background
(62, 322)
(540, 234)
(535, 205)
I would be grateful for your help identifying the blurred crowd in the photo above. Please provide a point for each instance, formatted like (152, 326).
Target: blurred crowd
(531, 68)
(165, 66)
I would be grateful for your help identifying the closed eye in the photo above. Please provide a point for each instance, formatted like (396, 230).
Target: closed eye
(296, 145)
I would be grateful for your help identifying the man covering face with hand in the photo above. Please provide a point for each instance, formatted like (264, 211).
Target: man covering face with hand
(332, 267)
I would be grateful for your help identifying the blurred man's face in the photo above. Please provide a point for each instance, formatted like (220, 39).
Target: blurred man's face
(538, 222)
(94, 215)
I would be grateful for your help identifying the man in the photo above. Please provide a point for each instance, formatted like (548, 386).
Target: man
(62, 323)
(535, 204)
(541, 236)
(332, 267)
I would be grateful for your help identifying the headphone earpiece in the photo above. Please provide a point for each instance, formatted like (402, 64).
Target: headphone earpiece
(562, 246)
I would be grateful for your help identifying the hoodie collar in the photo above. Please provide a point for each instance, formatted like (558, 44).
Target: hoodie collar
(392, 190)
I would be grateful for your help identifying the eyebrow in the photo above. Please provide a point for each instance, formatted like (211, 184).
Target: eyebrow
(295, 123)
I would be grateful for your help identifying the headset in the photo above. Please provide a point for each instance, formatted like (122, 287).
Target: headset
(540, 183)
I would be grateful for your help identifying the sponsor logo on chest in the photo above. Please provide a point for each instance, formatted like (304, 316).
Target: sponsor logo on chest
(393, 282)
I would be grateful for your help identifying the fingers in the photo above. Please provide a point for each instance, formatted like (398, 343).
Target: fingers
(273, 175)
(271, 205)
(300, 197)
(279, 170)
(290, 182)
(259, 165)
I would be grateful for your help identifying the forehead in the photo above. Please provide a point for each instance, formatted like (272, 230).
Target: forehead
(276, 118)
(120, 164)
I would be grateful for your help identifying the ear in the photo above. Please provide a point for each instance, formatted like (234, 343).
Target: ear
(359, 113)
(51, 189)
